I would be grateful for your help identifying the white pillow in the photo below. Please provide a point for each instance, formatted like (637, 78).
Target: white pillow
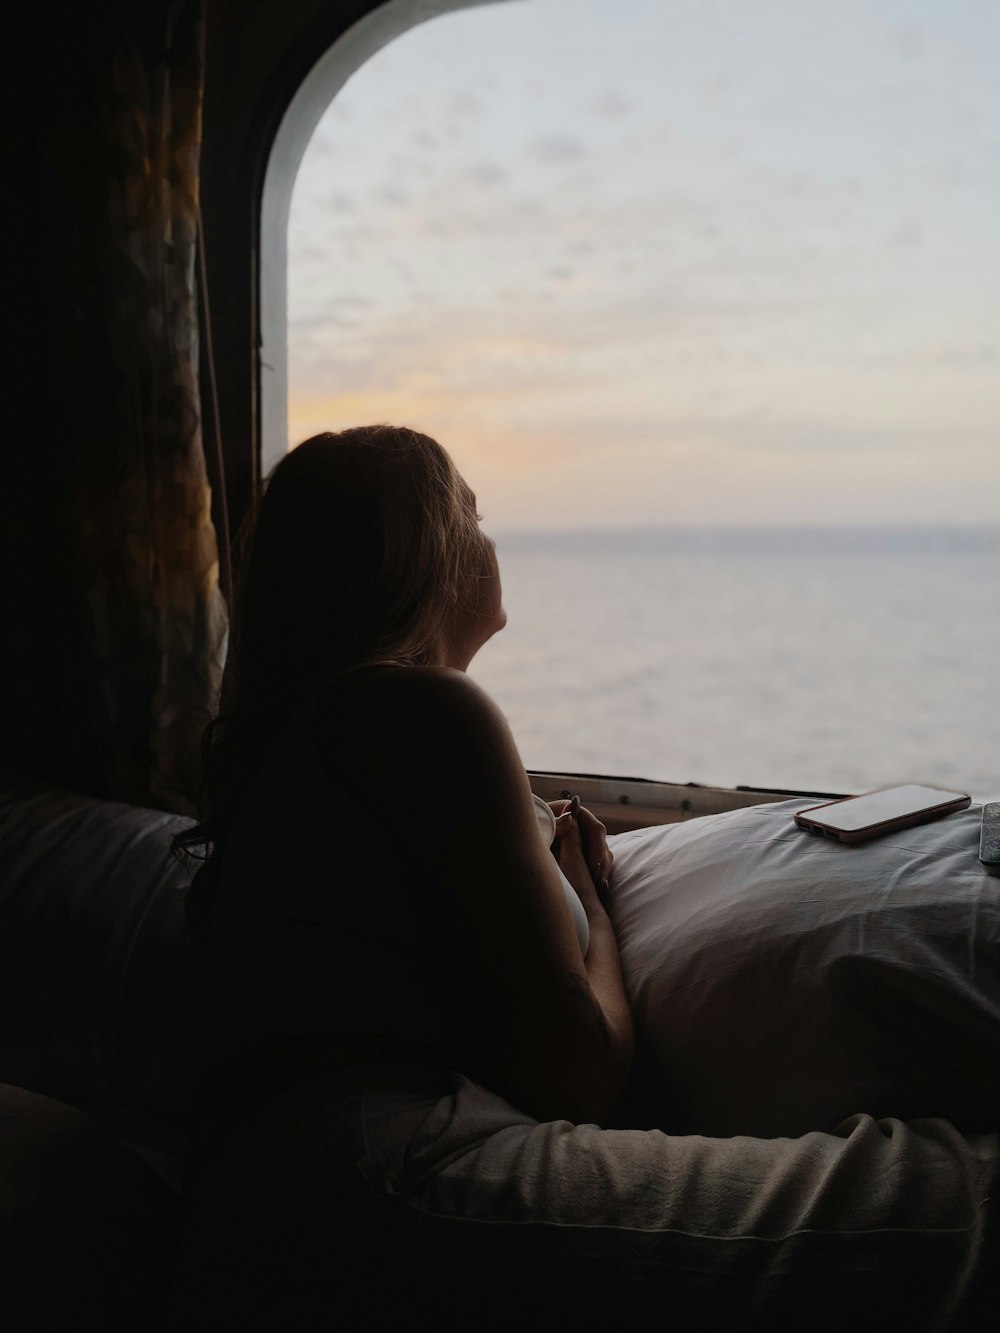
(781, 982)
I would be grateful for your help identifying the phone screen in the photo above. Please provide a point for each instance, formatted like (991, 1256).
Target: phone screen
(878, 807)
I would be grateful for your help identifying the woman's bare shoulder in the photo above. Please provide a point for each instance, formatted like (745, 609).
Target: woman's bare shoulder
(398, 723)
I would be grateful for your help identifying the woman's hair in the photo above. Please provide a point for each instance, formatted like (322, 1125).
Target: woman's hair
(364, 546)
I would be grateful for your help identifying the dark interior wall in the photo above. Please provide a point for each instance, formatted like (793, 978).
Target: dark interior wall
(53, 294)
(57, 407)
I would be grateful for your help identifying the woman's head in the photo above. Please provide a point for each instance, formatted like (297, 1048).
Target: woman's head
(366, 547)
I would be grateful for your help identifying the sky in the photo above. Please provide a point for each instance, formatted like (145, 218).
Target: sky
(668, 262)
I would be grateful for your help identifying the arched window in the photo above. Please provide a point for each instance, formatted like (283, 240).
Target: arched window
(704, 301)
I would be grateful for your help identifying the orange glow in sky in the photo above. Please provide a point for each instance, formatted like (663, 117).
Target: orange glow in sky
(637, 264)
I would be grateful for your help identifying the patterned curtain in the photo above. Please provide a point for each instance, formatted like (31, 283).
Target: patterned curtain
(148, 573)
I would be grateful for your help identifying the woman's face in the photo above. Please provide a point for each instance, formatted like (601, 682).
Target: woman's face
(477, 623)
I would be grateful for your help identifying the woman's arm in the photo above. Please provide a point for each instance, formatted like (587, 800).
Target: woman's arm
(581, 860)
(430, 754)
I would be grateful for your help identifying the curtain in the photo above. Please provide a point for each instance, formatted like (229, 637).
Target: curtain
(147, 571)
(112, 626)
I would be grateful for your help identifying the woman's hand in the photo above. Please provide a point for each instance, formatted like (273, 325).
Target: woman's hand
(593, 844)
(571, 857)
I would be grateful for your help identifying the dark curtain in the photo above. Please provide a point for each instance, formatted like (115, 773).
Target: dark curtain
(113, 623)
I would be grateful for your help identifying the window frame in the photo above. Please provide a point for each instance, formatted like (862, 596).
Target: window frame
(271, 73)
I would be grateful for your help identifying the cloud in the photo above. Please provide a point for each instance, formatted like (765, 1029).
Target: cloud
(811, 435)
(955, 356)
(362, 237)
(307, 254)
(556, 148)
(438, 227)
(391, 193)
(466, 106)
(908, 40)
(313, 319)
(610, 104)
(484, 173)
(908, 235)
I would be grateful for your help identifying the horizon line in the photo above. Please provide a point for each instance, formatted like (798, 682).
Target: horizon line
(653, 529)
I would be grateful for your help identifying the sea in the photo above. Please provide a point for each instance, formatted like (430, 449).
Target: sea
(820, 660)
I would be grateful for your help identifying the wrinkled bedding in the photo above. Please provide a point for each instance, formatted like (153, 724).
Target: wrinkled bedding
(782, 982)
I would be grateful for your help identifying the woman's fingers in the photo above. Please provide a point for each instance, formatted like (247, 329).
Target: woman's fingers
(587, 818)
(593, 839)
(569, 846)
(564, 823)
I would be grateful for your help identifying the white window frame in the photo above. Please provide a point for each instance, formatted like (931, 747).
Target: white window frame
(308, 106)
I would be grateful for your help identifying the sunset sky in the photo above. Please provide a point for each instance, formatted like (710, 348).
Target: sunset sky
(678, 262)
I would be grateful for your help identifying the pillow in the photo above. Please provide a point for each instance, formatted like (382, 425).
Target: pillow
(92, 958)
(782, 982)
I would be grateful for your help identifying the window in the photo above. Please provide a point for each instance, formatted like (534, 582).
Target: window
(704, 301)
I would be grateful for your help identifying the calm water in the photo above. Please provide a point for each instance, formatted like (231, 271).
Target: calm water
(821, 660)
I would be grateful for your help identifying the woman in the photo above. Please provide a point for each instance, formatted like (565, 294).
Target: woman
(406, 1047)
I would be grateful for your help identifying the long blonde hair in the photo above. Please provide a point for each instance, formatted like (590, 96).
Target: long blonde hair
(364, 547)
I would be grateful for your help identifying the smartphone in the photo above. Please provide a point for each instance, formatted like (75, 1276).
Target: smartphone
(856, 818)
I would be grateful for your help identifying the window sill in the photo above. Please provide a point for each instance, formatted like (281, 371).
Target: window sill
(623, 804)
